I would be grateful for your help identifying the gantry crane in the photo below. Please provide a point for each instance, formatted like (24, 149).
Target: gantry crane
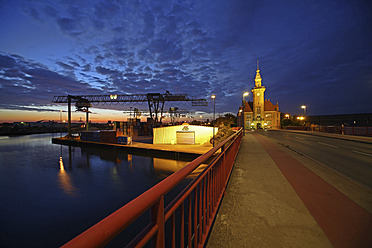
(155, 102)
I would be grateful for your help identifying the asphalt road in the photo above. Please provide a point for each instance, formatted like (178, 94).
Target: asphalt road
(349, 158)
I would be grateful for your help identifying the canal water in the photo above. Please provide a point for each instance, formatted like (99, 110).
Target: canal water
(51, 193)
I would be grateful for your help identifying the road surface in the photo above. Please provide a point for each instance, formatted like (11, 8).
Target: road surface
(350, 159)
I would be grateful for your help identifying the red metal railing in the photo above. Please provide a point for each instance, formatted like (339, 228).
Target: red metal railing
(194, 208)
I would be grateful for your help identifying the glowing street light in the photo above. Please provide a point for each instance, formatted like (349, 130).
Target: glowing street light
(244, 95)
(304, 108)
(287, 115)
(214, 113)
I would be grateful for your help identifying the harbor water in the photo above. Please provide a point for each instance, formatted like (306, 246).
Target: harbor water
(51, 193)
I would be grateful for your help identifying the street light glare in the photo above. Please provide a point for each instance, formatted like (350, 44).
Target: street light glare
(246, 94)
(303, 106)
(213, 96)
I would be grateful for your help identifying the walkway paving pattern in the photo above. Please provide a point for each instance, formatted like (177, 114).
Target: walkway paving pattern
(273, 200)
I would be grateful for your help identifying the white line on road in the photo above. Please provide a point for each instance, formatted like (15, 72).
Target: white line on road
(367, 154)
(327, 144)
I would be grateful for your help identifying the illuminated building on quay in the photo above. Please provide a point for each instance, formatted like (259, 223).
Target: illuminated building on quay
(260, 113)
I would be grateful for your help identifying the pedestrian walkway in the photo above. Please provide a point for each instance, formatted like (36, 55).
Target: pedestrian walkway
(273, 200)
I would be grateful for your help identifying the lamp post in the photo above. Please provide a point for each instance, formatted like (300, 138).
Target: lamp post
(304, 108)
(242, 118)
(214, 112)
(60, 122)
(245, 94)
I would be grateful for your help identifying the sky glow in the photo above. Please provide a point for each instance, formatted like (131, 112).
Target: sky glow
(313, 53)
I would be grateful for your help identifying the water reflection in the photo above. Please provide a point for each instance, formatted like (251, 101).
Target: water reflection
(165, 167)
(66, 188)
(64, 179)
(161, 167)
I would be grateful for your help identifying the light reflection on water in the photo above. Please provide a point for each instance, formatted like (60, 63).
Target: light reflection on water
(64, 180)
(51, 193)
(165, 167)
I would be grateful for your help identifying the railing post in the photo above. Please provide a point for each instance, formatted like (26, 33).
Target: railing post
(157, 216)
(224, 167)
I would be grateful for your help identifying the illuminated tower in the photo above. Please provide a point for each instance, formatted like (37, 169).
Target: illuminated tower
(258, 93)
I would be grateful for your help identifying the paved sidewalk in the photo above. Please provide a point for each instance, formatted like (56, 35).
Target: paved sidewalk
(263, 207)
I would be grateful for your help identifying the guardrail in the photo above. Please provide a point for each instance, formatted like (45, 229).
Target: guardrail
(194, 208)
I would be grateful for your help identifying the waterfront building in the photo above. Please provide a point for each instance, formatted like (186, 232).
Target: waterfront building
(260, 113)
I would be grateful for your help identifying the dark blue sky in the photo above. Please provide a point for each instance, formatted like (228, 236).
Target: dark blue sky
(316, 53)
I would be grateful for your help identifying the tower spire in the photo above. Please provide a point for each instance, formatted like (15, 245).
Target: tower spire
(258, 77)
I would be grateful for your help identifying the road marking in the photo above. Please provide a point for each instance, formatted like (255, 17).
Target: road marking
(327, 144)
(367, 154)
(299, 138)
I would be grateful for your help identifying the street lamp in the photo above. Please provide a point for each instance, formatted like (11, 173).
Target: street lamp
(241, 118)
(304, 108)
(214, 113)
(244, 95)
(60, 122)
(287, 115)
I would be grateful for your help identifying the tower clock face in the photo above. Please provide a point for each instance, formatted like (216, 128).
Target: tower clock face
(258, 94)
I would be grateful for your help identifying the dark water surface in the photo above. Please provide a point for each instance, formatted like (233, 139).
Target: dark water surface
(51, 193)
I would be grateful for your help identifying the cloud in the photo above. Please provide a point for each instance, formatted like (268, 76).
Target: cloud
(66, 66)
(306, 49)
(69, 26)
(27, 108)
(25, 82)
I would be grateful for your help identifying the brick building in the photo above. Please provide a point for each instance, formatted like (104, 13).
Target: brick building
(260, 113)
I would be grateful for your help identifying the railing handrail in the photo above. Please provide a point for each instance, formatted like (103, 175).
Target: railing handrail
(105, 230)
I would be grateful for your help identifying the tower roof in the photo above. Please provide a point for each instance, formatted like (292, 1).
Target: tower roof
(258, 79)
(248, 107)
(258, 76)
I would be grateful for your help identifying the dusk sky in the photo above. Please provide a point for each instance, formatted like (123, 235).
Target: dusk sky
(313, 53)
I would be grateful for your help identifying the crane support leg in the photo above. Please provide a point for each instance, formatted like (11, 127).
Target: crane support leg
(69, 115)
(87, 124)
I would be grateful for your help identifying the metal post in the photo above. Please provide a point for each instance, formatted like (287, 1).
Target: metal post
(60, 122)
(87, 124)
(214, 118)
(69, 115)
(243, 124)
(157, 216)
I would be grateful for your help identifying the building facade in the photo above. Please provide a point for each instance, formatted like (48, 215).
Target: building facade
(260, 113)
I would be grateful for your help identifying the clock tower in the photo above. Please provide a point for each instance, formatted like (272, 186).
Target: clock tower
(260, 113)
(258, 93)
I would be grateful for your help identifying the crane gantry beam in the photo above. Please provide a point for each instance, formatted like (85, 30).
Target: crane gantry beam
(155, 102)
(130, 98)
